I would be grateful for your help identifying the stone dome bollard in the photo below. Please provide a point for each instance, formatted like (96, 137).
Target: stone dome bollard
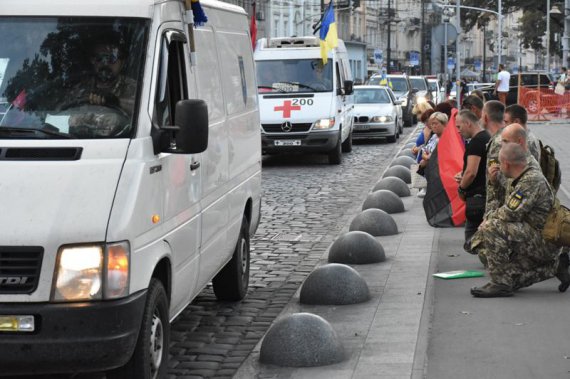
(399, 172)
(403, 161)
(375, 222)
(385, 200)
(301, 340)
(334, 284)
(396, 185)
(356, 248)
(409, 145)
(406, 153)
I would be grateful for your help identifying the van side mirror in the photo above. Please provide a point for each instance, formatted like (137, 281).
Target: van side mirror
(192, 120)
(189, 135)
(348, 87)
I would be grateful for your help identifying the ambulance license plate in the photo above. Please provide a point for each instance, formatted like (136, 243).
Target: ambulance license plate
(287, 142)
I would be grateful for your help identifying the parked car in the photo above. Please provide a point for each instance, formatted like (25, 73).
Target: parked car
(480, 86)
(422, 85)
(377, 113)
(405, 93)
(528, 80)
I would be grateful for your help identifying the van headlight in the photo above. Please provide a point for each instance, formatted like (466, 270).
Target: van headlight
(325, 123)
(92, 272)
(382, 119)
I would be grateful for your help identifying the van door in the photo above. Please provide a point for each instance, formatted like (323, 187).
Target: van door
(181, 172)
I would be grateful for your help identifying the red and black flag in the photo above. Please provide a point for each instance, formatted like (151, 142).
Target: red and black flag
(442, 204)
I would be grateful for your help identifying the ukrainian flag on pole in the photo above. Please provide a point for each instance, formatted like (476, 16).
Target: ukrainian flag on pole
(328, 34)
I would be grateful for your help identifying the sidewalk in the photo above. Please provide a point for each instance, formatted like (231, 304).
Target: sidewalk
(381, 336)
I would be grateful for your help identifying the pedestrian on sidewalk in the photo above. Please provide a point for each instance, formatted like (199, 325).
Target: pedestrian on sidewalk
(517, 114)
(502, 84)
(472, 179)
(511, 237)
(474, 104)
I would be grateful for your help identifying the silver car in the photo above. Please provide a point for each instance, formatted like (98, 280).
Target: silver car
(377, 113)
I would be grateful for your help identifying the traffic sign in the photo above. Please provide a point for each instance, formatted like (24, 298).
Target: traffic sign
(450, 63)
(439, 33)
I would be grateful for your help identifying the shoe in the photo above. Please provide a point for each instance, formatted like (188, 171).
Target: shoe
(492, 290)
(422, 193)
(562, 272)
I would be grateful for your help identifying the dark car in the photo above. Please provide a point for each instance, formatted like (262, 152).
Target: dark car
(528, 80)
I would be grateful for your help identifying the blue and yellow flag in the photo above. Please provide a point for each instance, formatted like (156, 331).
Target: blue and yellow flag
(328, 34)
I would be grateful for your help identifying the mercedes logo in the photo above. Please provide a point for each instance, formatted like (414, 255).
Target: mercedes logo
(287, 126)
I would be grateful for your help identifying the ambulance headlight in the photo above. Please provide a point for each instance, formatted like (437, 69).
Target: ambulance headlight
(325, 123)
(92, 272)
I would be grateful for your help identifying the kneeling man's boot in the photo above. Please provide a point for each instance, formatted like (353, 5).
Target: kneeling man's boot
(492, 290)
(562, 272)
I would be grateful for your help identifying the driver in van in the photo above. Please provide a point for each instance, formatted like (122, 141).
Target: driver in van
(110, 93)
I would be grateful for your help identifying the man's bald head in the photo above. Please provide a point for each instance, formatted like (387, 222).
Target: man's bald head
(515, 133)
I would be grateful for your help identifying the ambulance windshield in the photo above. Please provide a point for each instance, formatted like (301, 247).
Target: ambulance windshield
(294, 75)
(70, 77)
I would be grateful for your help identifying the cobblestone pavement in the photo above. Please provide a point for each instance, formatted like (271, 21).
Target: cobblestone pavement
(306, 204)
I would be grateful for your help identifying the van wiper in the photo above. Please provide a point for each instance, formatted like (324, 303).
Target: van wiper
(271, 88)
(19, 131)
(302, 85)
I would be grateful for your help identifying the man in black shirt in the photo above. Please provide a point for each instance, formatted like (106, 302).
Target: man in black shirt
(472, 179)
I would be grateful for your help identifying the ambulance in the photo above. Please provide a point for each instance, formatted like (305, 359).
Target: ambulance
(130, 166)
(305, 105)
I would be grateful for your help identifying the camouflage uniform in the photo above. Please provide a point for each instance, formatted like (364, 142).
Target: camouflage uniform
(511, 240)
(495, 191)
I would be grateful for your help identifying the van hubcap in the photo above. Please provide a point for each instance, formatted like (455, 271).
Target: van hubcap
(156, 344)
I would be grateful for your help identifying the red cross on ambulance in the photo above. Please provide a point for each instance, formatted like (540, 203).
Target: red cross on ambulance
(286, 108)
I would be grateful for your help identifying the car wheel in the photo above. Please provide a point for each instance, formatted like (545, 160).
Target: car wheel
(347, 144)
(150, 358)
(400, 126)
(231, 283)
(393, 138)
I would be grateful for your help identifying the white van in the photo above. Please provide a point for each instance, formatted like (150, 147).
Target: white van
(304, 105)
(130, 166)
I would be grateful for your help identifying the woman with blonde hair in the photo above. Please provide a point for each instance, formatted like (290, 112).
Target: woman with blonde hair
(437, 122)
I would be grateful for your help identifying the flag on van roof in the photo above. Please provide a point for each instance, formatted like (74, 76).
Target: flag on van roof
(200, 17)
(328, 34)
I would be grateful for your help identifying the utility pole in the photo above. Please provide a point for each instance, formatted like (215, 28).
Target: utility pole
(457, 56)
(565, 45)
(423, 43)
(322, 6)
(501, 32)
(388, 48)
(547, 35)
(484, 53)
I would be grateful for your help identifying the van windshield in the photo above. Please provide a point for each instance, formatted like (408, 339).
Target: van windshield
(70, 77)
(418, 83)
(294, 75)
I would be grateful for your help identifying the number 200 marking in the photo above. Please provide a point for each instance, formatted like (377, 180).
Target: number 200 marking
(302, 102)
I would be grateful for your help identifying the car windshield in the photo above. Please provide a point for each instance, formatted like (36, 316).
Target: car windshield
(70, 77)
(418, 83)
(398, 84)
(432, 86)
(294, 75)
(371, 96)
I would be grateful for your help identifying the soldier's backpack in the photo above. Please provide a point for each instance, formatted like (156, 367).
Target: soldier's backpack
(557, 226)
(550, 166)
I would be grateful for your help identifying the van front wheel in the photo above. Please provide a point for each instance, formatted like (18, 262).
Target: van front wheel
(335, 155)
(150, 358)
(231, 283)
(347, 144)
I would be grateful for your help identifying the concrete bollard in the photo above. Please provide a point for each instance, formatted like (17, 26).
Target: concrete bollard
(356, 248)
(375, 222)
(410, 145)
(385, 200)
(396, 185)
(301, 340)
(403, 161)
(407, 153)
(334, 284)
(399, 172)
